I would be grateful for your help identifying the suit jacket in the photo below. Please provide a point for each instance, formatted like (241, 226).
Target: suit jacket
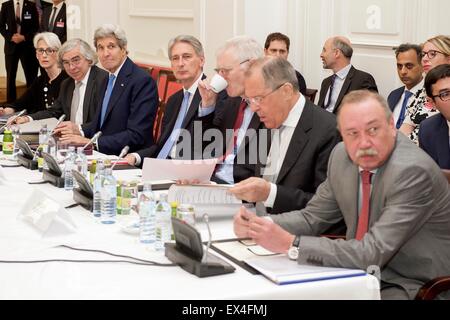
(8, 27)
(60, 24)
(301, 82)
(168, 122)
(130, 114)
(305, 165)
(408, 236)
(63, 104)
(394, 97)
(434, 139)
(355, 80)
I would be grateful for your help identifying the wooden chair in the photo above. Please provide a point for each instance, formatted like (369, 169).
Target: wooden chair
(167, 84)
(311, 94)
(158, 120)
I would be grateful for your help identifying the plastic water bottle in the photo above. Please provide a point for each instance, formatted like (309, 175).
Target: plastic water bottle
(68, 166)
(43, 135)
(81, 164)
(97, 187)
(108, 196)
(163, 213)
(16, 134)
(51, 146)
(147, 215)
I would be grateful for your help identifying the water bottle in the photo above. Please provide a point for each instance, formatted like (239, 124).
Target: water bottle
(147, 215)
(81, 164)
(43, 135)
(163, 227)
(97, 187)
(68, 166)
(108, 196)
(51, 146)
(16, 134)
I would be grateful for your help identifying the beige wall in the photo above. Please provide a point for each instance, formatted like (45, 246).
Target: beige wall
(374, 26)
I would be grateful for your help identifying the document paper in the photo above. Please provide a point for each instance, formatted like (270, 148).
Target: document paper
(162, 169)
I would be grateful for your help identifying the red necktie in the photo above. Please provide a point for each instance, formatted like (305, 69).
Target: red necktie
(236, 127)
(363, 221)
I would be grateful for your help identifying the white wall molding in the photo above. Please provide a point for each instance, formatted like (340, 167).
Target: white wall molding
(162, 13)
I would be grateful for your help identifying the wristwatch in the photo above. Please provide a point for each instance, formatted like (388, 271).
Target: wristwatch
(293, 250)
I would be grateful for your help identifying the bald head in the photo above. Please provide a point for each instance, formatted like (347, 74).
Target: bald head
(337, 53)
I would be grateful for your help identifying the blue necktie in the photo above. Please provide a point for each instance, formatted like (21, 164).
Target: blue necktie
(108, 92)
(176, 129)
(401, 117)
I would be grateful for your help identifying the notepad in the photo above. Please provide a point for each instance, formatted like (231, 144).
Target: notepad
(281, 270)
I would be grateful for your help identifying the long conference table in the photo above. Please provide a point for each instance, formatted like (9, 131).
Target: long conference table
(19, 241)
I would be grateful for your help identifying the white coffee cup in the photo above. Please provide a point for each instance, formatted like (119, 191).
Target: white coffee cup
(218, 83)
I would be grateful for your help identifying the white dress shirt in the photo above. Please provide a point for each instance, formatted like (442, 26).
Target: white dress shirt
(341, 75)
(398, 106)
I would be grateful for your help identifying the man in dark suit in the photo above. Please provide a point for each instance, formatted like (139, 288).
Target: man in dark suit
(19, 23)
(409, 69)
(79, 94)
(277, 45)
(303, 138)
(238, 124)
(182, 110)
(434, 133)
(336, 55)
(54, 19)
(126, 112)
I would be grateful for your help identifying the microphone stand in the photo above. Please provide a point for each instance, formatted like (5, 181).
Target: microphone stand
(205, 255)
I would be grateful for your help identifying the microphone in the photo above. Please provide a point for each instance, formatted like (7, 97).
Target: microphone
(205, 255)
(61, 119)
(94, 138)
(122, 154)
(12, 119)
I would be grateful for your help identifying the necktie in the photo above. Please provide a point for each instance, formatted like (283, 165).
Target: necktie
(237, 125)
(363, 220)
(75, 102)
(51, 23)
(176, 129)
(18, 20)
(333, 78)
(108, 92)
(401, 117)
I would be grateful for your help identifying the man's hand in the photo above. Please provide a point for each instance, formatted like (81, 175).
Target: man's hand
(131, 159)
(251, 190)
(17, 38)
(263, 231)
(74, 139)
(67, 128)
(18, 120)
(209, 97)
(6, 111)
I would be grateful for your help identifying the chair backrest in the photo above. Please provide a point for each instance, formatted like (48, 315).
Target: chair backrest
(167, 84)
(311, 94)
(158, 120)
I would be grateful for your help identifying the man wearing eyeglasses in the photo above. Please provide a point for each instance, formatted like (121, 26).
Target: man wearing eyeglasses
(79, 95)
(336, 55)
(434, 133)
(409, 69)
(301, 143)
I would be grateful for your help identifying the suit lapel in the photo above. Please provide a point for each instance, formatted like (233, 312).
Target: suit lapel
(442, 138)
(88, 95)
(178, 99)
(69, 96)
(344, 90)
(323, 91)
(119, 87)
(193, 109)
(298, 141)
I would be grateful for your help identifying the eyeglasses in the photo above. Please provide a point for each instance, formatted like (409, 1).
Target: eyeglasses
(257, 100)
(48, 51)
(255, 249)
(74, 62)
(226, 71)
(432, 53)
(444, 96)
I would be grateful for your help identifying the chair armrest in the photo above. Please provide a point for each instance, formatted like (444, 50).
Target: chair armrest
(433, 288)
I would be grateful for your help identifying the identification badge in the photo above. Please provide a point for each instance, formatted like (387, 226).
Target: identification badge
(27, 16)
(60, 24)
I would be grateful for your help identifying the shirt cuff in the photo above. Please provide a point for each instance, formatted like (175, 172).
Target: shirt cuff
(138, 159)
(81, 130)
(204, 111)
(272, 195)
(30, 119)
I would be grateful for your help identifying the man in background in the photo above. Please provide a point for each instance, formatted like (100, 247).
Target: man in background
(54, 19)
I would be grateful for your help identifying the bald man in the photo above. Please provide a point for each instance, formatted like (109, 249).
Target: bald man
(336, 55)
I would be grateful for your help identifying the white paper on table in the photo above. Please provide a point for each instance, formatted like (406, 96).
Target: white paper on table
(35, 125)
(169, 169)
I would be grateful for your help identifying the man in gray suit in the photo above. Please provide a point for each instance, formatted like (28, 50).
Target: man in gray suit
(397, 217)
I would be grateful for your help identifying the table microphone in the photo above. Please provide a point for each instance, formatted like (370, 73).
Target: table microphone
(122, 154)
(12, 119)
(61, 119)
(205, 256)
(94, 138)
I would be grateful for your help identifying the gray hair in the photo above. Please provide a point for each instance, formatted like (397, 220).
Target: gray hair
(50, 38)
(275, 72)
(343, 46)
(85, 50)
(193, 41)
(245, 48)
(111, 30)
(358, 96)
